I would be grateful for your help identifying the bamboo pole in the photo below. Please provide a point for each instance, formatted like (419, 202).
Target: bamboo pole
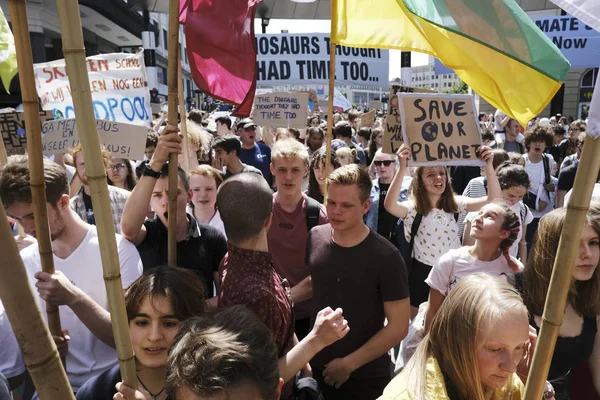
(183, 114)
(3, 156)
(329, 132)
(18, 12)
(39, 351)
(74, 51)
(172, 117)
(568, 247)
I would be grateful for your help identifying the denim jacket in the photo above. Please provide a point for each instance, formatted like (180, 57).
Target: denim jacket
(372, 215)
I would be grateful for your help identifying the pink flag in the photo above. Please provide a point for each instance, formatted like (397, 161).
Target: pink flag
(221, 49)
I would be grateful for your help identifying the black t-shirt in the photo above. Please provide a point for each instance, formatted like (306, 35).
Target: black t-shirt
(566, 178)
(201, 252)
(386, 222)
(89, 209)
(359, 280)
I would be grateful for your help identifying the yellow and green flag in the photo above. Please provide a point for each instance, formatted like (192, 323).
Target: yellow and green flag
(8, 53)
(493, 46)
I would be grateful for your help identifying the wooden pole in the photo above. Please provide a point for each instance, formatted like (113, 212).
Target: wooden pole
(3, 156)
(39, 351)
(18, 12)
(329, 133)
(568, 247)
(183, 113)
(74, 51)
(172, 118)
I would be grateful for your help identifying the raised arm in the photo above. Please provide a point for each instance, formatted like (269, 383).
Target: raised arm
(493, 186)
(136, 207)
(391, 203)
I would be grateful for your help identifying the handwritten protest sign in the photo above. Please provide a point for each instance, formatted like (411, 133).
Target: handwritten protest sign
(440, 129)
(282, 110)
(367, 119)
(120, 139)
(392, 130)
(117, 81)
(12, 127)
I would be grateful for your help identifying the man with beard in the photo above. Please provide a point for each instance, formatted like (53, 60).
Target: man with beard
(82, 201)
(200, 247)
(77, 283)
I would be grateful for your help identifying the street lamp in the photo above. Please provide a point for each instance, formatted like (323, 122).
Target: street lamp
(264, 23)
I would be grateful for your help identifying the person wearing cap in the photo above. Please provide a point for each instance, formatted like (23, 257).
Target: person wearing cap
(255, 154)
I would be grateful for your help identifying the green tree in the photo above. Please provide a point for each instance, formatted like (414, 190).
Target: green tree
(458, 88)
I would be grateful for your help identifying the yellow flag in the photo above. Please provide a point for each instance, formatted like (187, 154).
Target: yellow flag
(8, 53)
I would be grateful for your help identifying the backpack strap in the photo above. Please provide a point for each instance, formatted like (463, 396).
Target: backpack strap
(546, 162)
(313, 210)
(414, 229)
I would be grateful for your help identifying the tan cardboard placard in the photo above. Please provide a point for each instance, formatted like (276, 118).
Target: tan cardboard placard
(281, 110)
(440, 129)
(120, 139)
(392, 130)
(12, 127)
(367, 119)
(375, 105)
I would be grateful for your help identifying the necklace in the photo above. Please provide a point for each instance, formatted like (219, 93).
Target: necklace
(154, 396)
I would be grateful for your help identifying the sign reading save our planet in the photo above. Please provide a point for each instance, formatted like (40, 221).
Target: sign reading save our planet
(440, 129)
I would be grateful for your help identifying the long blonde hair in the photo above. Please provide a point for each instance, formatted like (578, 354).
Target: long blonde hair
(472, 306)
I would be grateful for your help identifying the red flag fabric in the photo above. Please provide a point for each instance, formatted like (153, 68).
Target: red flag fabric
(221, 49)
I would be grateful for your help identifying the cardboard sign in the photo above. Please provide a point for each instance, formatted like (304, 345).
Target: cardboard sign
(118, 84)
(281, 110)
(440, 129)
(303, 58)
(367, 119)
(120, 139)
(392, 130)
(12, 127)
(375, 105)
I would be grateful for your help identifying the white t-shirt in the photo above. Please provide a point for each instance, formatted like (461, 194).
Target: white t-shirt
(88, 356)
(595, 194)
(11, 361)
(537, 178)
(438, 232)
(217, 222)
(458, 263)
(518, 208)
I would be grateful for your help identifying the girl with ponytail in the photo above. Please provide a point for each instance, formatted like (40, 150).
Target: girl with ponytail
(495, 229)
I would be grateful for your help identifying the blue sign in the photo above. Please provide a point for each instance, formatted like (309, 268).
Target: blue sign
(579, 43)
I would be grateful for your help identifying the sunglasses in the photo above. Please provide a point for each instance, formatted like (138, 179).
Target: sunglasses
(385, 163)
(119, 167)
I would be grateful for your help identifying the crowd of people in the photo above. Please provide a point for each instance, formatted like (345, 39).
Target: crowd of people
(356, 277)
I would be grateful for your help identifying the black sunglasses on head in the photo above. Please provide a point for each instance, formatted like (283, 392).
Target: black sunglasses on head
(386, 163)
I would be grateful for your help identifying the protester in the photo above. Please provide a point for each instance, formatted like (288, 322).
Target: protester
(230, 355)
(82, 201)
(151, 143)
(476, 344)
(542, 187)
(315, 139)
(343, 131)
(204, 182)
(293, 211)
(223, 126)
(255, 154)
(157, 303)
(378, 218)
(249, 278)
(199, 145)
(318, 172)
(120, 174)
(313, 121)
(354, 119)
(568, 146)
(573, 159)
(345, 155)
(356, 269)
(363, 136)
(227, 154)
(510, 143)
(516, 158)
(514, 182)
(199, 247)
(77, 285)
(434, 200)
(559, 136)
(577, 341)
(375, 143)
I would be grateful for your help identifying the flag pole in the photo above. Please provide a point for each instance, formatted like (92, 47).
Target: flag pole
(3, 156)
(18, 12)
(562, 270)
(39, 351)
(172, 118)
(74, 51)
(183, 114)
(329, 133)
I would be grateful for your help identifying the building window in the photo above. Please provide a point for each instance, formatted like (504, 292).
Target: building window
(588, 81)
(165, 39)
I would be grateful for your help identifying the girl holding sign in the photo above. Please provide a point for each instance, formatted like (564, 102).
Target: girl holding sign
(436, 205)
